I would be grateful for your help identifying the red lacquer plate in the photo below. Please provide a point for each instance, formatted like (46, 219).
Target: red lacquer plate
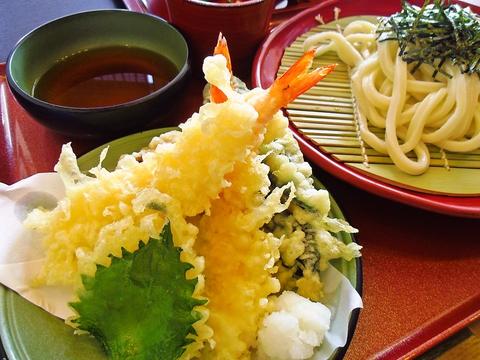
(264, 70)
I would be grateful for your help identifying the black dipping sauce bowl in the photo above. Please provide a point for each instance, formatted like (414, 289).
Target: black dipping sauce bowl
(44, 47)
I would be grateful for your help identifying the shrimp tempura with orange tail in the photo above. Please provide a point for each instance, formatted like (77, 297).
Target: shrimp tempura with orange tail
(239, 256)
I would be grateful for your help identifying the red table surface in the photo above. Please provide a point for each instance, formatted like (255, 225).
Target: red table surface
(421, 270)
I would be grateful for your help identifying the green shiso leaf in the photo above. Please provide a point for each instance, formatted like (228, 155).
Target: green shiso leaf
(141, 306)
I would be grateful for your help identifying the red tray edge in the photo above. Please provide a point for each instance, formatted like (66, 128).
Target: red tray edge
(442, 327)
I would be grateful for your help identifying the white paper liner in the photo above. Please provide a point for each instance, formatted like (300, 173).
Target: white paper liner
(341, 298)
(21, 258)
(21, 253)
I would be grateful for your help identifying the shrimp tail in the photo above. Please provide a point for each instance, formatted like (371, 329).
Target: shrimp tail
(286, 88)
(222, 48)
(296, 80)
(217, 95)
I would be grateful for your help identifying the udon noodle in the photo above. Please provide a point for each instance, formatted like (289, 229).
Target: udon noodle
(412, 107)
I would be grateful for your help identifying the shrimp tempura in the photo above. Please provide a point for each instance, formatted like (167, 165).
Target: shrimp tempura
(239, 256)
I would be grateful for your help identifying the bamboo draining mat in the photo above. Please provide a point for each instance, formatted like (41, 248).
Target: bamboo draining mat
(325, 115)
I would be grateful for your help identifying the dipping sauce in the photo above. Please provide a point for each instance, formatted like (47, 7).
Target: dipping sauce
(104, 77)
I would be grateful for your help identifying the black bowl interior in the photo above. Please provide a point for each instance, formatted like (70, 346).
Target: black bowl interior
(36, 52)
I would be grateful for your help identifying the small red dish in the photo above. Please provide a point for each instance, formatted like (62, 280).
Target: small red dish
(247, 22)
(265, 66)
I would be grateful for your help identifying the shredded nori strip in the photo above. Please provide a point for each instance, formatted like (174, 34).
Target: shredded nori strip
(435, 33)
